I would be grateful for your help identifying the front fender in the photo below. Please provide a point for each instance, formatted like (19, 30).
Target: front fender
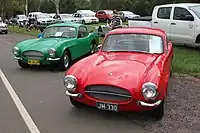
(156, 76)
(61, 47)
(94, 36)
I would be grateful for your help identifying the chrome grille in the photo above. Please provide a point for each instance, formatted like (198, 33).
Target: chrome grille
(35, 55)
(110, 93)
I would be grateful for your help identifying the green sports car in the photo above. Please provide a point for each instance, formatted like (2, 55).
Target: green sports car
(59, 44)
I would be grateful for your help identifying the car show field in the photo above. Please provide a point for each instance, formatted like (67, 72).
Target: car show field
(94, 66)
(71, 76)
(41, 91)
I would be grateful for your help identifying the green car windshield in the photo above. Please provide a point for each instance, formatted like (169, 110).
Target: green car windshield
(60, 32)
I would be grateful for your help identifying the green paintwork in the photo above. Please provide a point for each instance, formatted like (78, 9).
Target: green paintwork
(77, 46)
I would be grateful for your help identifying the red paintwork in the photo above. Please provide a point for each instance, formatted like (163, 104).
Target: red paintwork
(130, 70)
(104, 16)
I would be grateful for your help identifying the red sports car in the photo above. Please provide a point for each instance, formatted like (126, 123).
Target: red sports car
(130, 72)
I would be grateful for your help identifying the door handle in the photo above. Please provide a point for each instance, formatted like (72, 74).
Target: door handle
(173, 23)
(155, 22)
(191, 25)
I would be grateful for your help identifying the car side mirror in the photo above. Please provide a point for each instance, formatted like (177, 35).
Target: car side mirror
(189, 18)
(99, 46)
(40, 35)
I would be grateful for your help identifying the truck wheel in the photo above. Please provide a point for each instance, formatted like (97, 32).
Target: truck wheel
(22, 64)
(75, 103)
(158, 112)
(65, 61)
(6, 32)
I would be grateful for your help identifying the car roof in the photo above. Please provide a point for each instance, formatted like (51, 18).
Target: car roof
(139, 30)
(180, 4)
(76, 25)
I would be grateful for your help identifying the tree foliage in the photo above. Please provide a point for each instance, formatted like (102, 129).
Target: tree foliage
(142, 7)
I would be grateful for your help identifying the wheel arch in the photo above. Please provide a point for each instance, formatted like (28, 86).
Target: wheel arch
(68, 50)
(198, 37)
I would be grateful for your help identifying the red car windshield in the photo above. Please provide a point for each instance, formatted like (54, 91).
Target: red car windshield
(133, 43)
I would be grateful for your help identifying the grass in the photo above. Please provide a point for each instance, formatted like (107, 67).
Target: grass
(186, 60)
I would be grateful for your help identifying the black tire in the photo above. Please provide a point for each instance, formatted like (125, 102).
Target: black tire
(93, 47)
(22, 64)
(83, 21)
(75, 103)
(63, 65)
(6, 32)
(158, 112)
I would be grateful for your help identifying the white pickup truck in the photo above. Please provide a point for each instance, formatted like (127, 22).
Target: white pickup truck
(180, 21)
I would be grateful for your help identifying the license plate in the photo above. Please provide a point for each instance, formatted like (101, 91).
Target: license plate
(34, 62)
(107, 106)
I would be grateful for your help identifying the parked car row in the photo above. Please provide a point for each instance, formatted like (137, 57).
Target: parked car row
(106, 15)
(81, 16)
(130, 71)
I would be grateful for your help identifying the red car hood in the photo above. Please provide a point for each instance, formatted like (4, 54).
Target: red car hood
(125, 70)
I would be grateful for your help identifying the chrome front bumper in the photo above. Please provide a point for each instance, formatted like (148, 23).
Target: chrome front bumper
(49, 59)
(141, 103)
(77, 95)
(17, 58)
(53, 59)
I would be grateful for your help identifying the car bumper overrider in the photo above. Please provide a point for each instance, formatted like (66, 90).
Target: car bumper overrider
(132, 105)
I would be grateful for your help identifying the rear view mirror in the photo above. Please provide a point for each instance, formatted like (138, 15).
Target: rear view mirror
(40, 35)
(99, 46)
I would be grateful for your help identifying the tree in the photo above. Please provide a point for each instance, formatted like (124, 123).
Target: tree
(57, 5)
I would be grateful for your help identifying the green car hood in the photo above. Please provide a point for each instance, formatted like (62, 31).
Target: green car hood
(42, 44)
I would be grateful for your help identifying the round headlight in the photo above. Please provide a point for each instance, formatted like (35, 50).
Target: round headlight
(15, 51)
(149, 90)
(52, 52)
(70, 82)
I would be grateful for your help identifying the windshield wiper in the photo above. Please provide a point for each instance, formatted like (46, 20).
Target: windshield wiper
(140, 51)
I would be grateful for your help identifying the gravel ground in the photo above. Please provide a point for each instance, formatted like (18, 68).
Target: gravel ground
(182, 108)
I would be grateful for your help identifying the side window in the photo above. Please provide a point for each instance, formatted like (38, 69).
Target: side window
(120, 13)
(82, 32)
(100, 12)
(181, 14)
(164, 12)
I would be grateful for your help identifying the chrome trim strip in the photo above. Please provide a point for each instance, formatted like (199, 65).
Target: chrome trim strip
(17, 58)
(53, 59)
(108, 93)
(149, 104)
(73, 95)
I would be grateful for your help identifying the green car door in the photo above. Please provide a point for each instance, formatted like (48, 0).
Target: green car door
(83, 41)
